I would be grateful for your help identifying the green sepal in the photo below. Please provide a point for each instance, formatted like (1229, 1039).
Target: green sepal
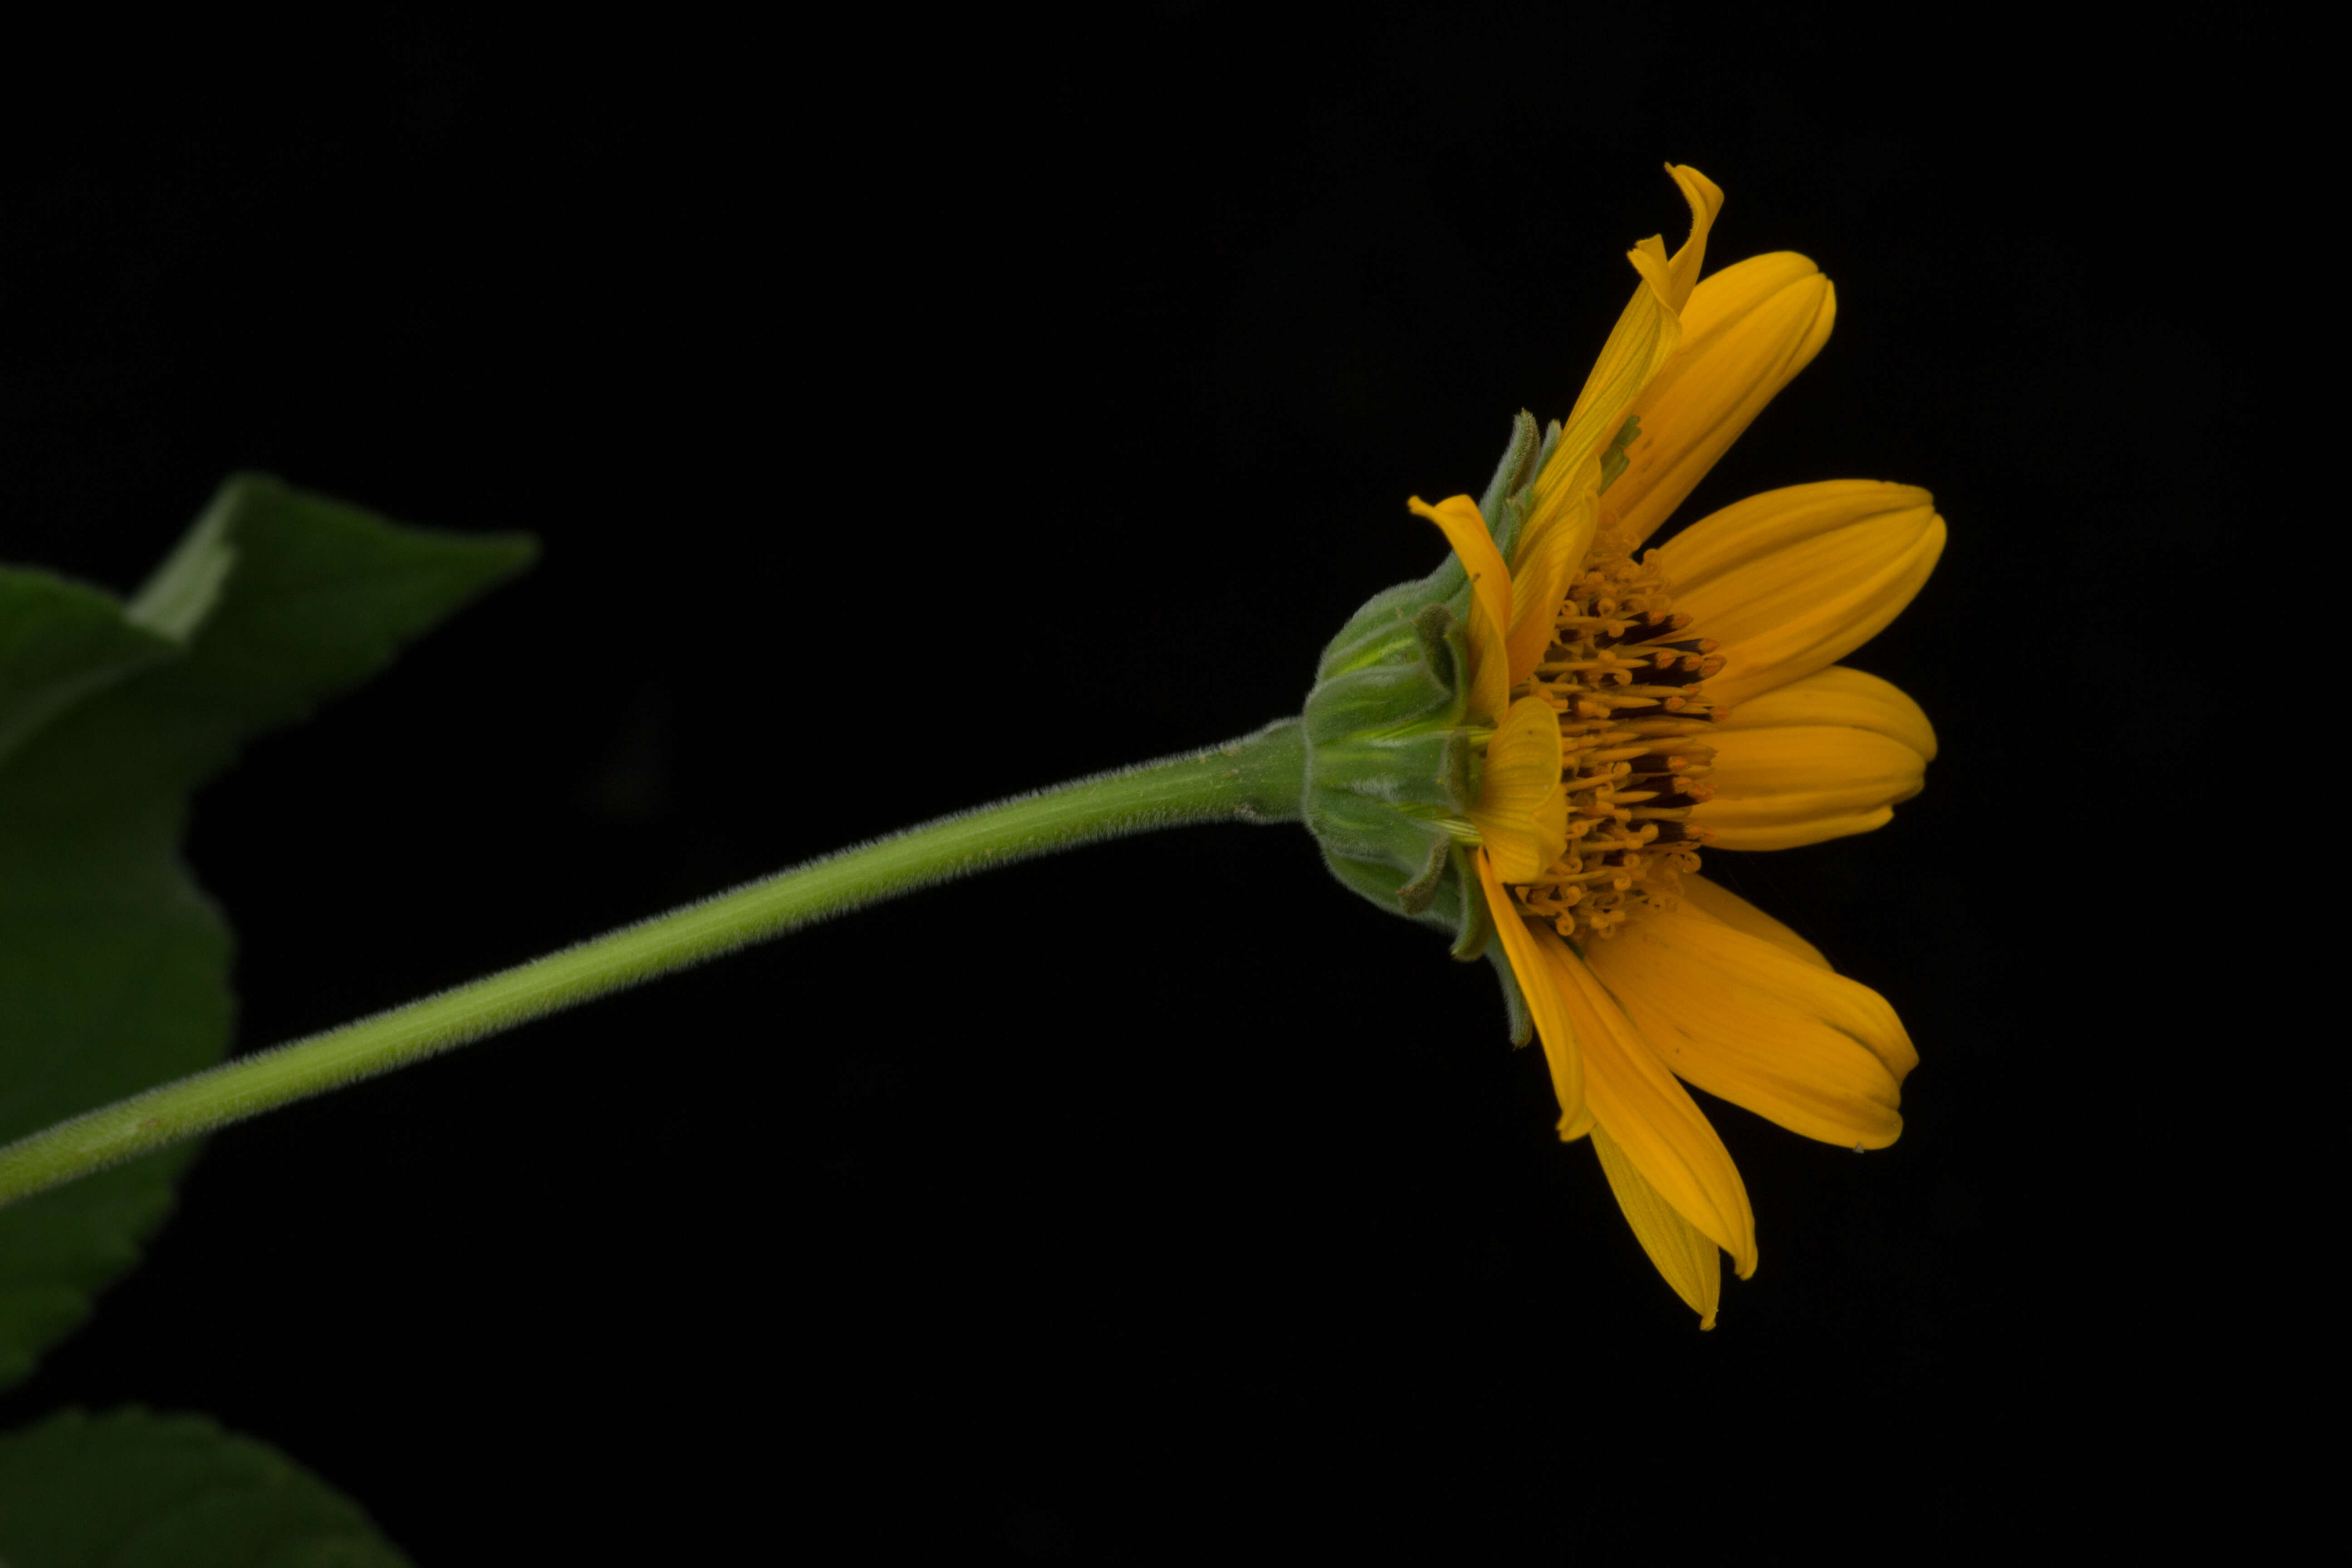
(1393, 761)
(1407, 676)
(1388, 758)
(1392, 765)
(1359, 828)
(1380, 883)
(1474, 927)
(1439, 903)
(1513, 475)
(1434, 767)
(1521, 1022)
(1396, 625)
(1373, 633)
(1415, 896)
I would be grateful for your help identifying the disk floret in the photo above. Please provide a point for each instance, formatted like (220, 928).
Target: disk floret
(1628, 682)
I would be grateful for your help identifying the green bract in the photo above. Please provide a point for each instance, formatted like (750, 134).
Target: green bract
(1392, 754)
(1390, 764)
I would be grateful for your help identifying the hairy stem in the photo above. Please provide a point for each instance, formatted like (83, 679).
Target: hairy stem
(1254, 779)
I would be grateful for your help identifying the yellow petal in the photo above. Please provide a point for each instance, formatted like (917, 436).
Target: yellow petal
(1653, 1119)
(1552, 826)
(1712, 900)
(1545, 559)
(1639, 346)
(1746, 333)
(1524, 837)
(1490, 598)
(1521, 815)
(1690, 1263)
(1746, 1019)
(1646, 334)
(1705, 198)
(1523, 946)
(1792, 580)
(1779, 788)
(1843, 696)
(1815, 759)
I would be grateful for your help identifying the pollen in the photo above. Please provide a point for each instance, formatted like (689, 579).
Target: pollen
(1628, 681)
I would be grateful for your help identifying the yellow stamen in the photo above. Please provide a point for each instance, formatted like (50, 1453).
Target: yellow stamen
(1626, 682)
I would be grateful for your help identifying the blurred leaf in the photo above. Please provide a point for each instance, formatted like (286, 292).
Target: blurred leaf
(133, 1490)
(113, 964)
(60, 642)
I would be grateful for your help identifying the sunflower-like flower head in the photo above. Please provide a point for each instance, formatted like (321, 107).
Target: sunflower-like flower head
(1531, 746)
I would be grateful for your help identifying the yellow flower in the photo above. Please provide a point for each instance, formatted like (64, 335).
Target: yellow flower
(1643, 704)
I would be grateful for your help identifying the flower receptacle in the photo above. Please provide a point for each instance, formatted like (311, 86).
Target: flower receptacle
(1391, 761)
(1393, 754)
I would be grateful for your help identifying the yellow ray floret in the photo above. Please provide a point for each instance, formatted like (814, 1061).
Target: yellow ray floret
(1678, 697)
(1750, 1022)
(1634, 1097)
(1790, 581)
(1521, 815)
(1690, 1263)
(1648, 333)
(1704, 899)
(1746, 332)
(1817, 759)
(1561, 1049)
(1545, 559)
(1490, 600)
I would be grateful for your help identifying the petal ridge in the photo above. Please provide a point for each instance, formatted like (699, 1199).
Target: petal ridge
(1680, 1251)
(1563, 1050)
(1790, 581)
(1750, 1022)
(1652, 1117)
(1709, 900)
(1746, 333)
(1781, 787)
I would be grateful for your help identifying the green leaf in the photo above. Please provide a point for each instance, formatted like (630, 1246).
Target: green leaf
(132, 1489)
(113, 964)
(60, 642)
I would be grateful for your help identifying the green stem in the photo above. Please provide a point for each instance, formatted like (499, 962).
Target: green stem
(1257, 778)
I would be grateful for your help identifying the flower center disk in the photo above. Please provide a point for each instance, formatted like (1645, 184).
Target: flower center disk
(1627, 680)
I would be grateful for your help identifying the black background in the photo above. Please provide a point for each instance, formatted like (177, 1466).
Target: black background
(913, 417)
